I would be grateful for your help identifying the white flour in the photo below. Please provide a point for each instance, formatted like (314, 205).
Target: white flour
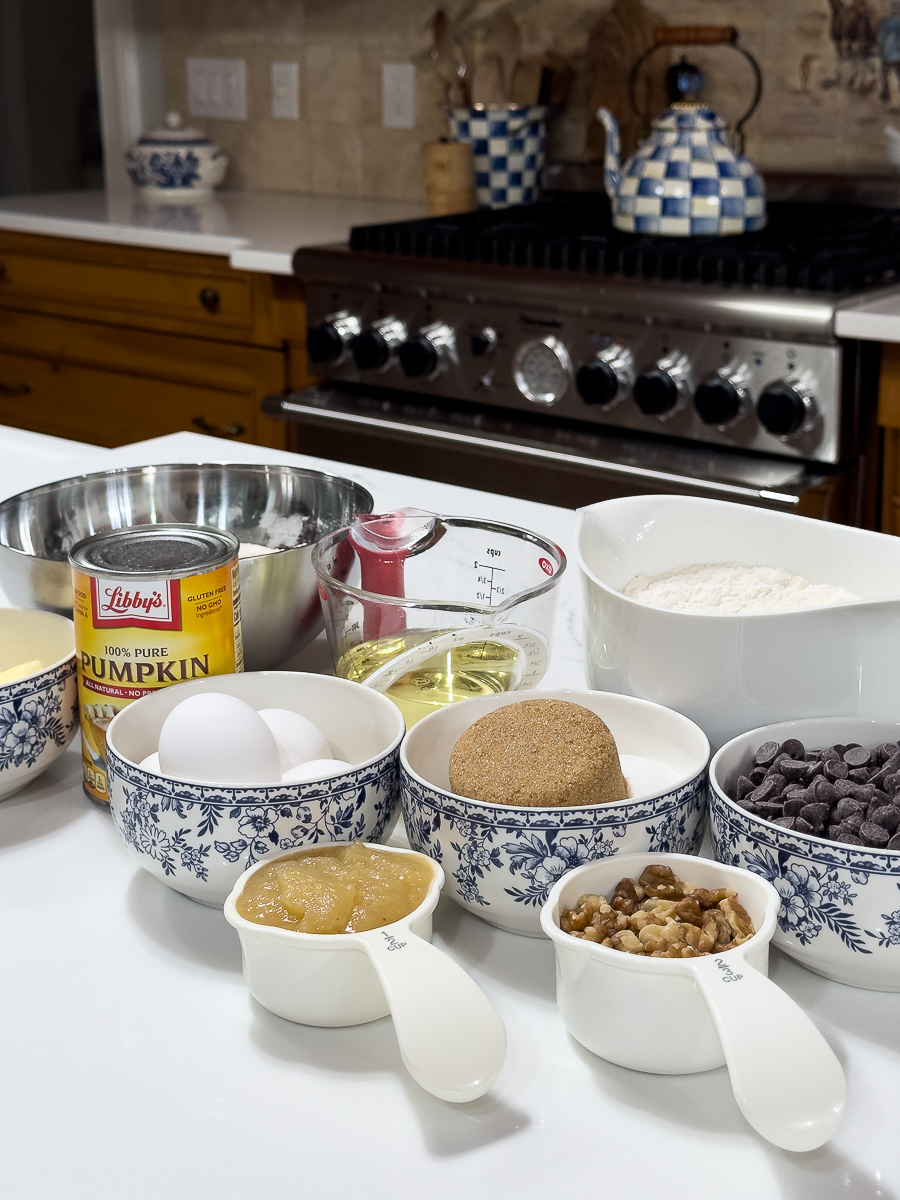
(732, 588)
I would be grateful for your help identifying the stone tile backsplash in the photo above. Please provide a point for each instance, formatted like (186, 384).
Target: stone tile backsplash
(831, 83)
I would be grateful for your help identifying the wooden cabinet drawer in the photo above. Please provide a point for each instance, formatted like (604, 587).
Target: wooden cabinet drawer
(200, 295)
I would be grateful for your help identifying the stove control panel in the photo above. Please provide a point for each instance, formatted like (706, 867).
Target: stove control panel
(747, 392)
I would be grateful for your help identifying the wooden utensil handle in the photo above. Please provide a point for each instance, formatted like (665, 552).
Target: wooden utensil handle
(696, 35)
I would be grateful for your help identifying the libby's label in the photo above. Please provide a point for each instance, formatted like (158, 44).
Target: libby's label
(132, 638)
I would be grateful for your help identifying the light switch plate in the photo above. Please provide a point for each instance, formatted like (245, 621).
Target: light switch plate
(286, 91)
(398, 95)
(217, 87)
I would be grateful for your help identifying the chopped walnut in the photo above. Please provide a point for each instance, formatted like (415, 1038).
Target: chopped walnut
(661, 916)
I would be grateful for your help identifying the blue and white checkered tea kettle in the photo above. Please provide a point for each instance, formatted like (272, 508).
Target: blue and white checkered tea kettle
(685, 180)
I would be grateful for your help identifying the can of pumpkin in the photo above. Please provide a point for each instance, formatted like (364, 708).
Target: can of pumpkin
(153, 605)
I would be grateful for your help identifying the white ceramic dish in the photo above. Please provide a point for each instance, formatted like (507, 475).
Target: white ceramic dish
(501, 861)
(39, 712)
(198, 838)
(680, 1016)
(840, 904)
(451, 1038)
(731, 673)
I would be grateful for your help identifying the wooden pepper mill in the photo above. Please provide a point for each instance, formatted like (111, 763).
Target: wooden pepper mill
(449, 178)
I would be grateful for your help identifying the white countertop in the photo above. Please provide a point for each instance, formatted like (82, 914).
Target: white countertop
(256, 231)
(135, 1066)
(876, 320)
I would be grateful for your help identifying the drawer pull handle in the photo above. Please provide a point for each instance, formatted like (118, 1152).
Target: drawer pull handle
(2, 270)
(15, 389)
(210, 299)
(223, 431)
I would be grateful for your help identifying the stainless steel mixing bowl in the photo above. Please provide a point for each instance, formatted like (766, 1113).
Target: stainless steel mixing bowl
(279, 598)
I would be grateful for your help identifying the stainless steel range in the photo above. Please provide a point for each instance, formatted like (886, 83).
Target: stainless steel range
(705, 364)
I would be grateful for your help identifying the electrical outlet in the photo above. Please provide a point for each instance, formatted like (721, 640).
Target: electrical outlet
(217, 87)
(286, 91)
(398, 95)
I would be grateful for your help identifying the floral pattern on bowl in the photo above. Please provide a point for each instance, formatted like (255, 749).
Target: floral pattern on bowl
(840, 904)
(38, 719)
(501, 862)
(174, 161)
(199, 838)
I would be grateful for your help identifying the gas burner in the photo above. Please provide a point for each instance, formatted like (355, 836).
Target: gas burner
(836, 249)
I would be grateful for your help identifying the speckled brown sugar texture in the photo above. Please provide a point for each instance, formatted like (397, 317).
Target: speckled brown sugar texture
(538, 754)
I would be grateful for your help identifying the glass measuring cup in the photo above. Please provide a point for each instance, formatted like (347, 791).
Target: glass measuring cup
(431, 609)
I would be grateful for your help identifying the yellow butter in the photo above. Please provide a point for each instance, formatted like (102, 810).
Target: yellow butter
(21, 670)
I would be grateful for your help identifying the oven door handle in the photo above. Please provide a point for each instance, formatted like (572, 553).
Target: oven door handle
(289, 409)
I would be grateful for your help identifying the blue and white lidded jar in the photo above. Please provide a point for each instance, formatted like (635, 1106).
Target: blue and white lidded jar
(175, 162)
(508, 150)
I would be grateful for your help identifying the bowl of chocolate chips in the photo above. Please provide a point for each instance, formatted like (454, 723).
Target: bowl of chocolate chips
(814, 807)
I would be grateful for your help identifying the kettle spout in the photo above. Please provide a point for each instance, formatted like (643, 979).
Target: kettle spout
(612, 161)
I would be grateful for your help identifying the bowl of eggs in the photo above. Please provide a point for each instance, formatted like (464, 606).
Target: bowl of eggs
(509, 792)
(38, 694)
(209, 777)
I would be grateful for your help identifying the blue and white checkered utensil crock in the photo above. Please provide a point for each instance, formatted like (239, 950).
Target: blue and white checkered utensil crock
(508, 149)
(685, 180)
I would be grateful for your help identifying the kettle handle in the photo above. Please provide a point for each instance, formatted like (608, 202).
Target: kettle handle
(700, 35)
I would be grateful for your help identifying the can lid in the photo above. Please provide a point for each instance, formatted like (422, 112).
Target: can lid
(164, 550)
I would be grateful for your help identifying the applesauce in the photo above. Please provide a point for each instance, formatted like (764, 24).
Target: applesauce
(335, 889)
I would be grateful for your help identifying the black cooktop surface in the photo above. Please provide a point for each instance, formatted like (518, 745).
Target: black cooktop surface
(810, 247)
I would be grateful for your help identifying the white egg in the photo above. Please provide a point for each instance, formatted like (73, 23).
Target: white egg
(316, 769)
(214, 738)
(151, 763)
(298, 740)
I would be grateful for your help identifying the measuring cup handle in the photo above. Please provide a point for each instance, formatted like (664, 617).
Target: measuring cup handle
(452, 1039)
(786, 1078)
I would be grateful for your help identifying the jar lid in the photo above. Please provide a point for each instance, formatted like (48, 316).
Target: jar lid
(174, 135)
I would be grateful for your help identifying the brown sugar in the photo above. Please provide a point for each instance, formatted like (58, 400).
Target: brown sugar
(538, 754)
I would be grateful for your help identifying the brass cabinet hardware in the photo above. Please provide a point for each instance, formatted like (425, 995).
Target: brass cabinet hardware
(210, 299)
(15, 389)
(223, 431)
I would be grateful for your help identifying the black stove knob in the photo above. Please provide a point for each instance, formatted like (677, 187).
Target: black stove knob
(483, 343)
(323, 343)
(655, 393)
(418, 357)
(370, 350)
(785, 407)
(597, 383)
(717, 401)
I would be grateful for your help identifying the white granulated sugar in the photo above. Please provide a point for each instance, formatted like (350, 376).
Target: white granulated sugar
(732, 588)
(252, 550)
(282, 533)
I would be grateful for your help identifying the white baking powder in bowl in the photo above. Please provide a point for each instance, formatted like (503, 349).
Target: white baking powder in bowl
(732, 588)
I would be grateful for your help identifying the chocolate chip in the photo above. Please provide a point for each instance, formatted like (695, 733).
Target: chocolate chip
(802, 826)
(765, 791)
(894, 843)
(770, 810)
(788, 822)
(766, 754)
(892, 763)
(873, 835)
(846, 787)
(878, 798)
(815, 768)
(857, 756)
(793, 806)
(835, 769)
(794, 748)
(848, 838)
(791, 769)
(854, 821)
(833, 830)
(816, 814)
(826, 792)
(888, 817)
(886, 751)
(892, 782)
(743, 787)
(847, 806)
(859, 774)
(865, 793)
(758, 774)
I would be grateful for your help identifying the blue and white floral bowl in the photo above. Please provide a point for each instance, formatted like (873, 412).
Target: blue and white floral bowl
(198, 838)
(502, 861)
(39, 712)
(840, 904)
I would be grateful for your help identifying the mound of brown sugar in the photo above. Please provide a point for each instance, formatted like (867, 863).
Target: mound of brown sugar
(538, 754)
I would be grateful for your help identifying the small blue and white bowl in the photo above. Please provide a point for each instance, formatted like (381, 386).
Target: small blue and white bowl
(840, 904)
(198, 838)
(175, 162)
(501, 861)
(39, 712)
